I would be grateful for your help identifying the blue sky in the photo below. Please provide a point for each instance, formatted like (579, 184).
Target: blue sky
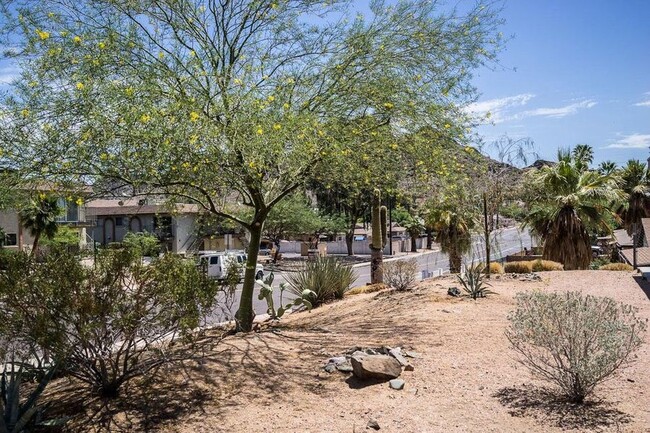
(576, 71)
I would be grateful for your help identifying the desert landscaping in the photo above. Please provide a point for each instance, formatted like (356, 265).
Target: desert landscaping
(465, 377)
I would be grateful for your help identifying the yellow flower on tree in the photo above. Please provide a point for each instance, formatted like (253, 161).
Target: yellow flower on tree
(24, 112)
(277, 126)
(80, 86)
(77, 39)
(194, 116)
(145, 118)
(101, 45)
(42, 34)
(260, 131)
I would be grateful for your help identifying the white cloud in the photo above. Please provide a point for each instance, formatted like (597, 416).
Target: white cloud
(559, 112)
(645, 103)
(632, 141)
(495, 109)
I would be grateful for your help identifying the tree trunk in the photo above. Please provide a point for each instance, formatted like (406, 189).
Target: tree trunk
(37, 237)
(245, 314)
(414, 246)
(349, 239)
(455, 261)
(376, 270)
(429, 233)
(277, 251)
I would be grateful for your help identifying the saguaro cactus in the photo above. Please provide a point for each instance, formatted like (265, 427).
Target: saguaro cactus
(379, 238)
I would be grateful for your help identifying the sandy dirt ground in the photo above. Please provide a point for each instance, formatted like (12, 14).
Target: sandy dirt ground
(466, 378)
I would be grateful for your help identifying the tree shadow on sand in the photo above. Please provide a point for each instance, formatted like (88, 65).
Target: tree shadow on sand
(545, 405)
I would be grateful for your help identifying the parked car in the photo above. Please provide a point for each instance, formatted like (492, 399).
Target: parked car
(217, 263)
(596, 251)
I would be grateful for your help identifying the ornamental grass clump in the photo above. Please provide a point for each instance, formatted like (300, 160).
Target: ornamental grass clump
(522, 267)
(573, 341)
(616, 267)
(546, 265)
(326, 278)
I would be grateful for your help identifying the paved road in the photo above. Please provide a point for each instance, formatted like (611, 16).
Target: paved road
(434, 262)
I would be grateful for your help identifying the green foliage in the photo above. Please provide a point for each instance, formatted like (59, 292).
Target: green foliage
(546, 265)
(636, 184)
(473, 282)
(523, 267)
(252, 110)
(39, 217)
(17, 416)
(598, 262)
(616, 267)
(65, 237)
(142, 244)
(401, 274)
(266, 292)
(326, 279)
(3, 237)
(513, 210)
(111, 322)
(574, 341)
(568, 201)
(453, 214)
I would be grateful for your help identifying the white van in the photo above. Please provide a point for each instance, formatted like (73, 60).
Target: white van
(216, 263)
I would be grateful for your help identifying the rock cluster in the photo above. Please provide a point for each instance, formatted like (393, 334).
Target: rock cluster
(378, 364)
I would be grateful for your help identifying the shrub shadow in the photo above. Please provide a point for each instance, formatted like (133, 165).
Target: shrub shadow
(547, 406)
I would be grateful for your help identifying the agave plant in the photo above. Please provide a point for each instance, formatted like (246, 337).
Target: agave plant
(473, 282)
(16, 417)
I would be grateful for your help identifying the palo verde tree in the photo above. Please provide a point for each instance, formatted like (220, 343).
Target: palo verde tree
(216, 102)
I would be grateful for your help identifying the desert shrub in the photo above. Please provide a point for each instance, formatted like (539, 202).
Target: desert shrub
(65, 237)
(598, 262)
(111, 322)
(400, 274)
(327, 278)
(546, 265)
(368, 288)
(573, 341)
(616, 267)
(495, 268)
(473, 282)
(518, 267)
(142, 244)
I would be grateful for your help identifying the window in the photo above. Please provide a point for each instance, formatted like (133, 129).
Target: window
(214, 260)
(69, 210)
(119, 221)
(11, 240)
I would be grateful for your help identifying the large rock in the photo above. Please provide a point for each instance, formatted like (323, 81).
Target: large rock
(379, 367)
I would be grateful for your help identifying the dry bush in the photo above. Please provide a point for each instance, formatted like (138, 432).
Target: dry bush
(518, 267)
(547, 265)
(368, 288)
(496, 268)
(616, 267)
(400, 274)
(573, 341)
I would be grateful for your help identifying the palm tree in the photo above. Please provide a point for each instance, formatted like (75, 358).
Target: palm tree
(572, 201)
(636, 183)
(453, 221)
(40, 219)
(607, 167)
